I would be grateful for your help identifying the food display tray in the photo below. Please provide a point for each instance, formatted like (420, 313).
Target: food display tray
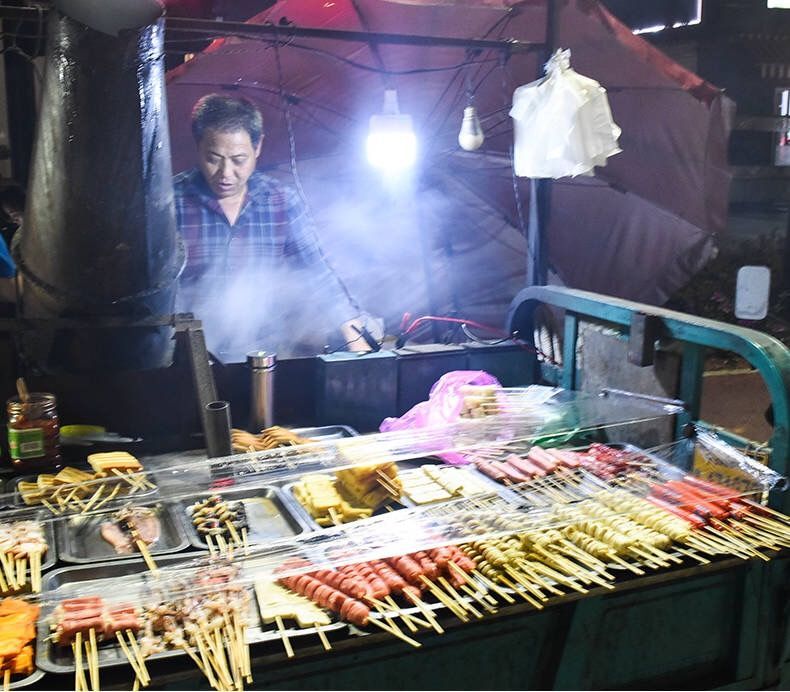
(79, 538)
(326, 432)
(491, 486)
(269, 515)
(51, 556)
(27, 681)
(12, 488)
(57, 659)
(304, 514)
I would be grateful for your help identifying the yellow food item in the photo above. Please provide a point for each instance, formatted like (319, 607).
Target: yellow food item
(104, 462)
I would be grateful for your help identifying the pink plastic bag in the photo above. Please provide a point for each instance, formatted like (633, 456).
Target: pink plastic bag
(444, 405)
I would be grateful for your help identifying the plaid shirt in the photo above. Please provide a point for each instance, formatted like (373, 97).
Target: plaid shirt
(272, 228)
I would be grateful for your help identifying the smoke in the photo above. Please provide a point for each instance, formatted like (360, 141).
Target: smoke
(424, 246)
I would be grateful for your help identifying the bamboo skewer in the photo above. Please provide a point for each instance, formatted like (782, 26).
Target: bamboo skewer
(211, 549)
(322, 637)
(139, 656)
(108, 498)
(286, 642)
(426, 611)
(6, 680)
(454, 608)
(142, 546)
(79, 682)
(129, 657)
(92, 655)
(398, 634)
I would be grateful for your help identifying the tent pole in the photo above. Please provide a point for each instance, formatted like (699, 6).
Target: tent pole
(540, 188)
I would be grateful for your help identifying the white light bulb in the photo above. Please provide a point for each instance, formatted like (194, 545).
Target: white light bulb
(391, 144)
(471, 136)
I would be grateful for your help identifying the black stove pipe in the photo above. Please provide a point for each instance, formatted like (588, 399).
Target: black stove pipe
(99, 235)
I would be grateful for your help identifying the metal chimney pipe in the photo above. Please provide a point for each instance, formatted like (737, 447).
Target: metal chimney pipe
(99, 235)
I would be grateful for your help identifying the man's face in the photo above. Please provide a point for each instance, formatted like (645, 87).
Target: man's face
(227, 160)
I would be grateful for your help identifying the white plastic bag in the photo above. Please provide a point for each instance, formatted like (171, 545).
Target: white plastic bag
(562, 124)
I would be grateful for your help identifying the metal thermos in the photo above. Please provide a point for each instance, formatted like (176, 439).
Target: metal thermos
(262, 365)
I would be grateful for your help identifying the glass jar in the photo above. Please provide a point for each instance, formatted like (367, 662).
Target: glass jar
(34, 432)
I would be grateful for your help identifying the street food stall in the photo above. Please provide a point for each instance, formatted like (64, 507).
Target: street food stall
(512, 530)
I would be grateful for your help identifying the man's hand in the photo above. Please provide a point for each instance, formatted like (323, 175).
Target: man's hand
(352, 332)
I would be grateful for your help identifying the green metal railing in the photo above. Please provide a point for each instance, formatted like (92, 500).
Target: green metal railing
(769, 356)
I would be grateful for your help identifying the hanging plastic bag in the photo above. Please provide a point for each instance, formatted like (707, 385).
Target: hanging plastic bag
(562, 124)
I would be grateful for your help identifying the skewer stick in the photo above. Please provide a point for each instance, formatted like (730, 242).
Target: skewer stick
(693, 555)
(333, 516)
(204, 655)
(322, 636)
(79, 682)
(142, 546)
(520, 592)
(245, 540)
(395, 633)
(94, 497)
(139, 656)
(109, 497)
(21, 571)
(50, 507)
(136, 684)
(286, 642)
(478, 597)
(186, 648)
(459, 599)
(526, 583)
(92, 655)
(454, 608)
(489, 584)
(526, 567)
(219, 654)
(6, 680)
(407, 617)
(129, 656)
(234, 535)
(425, 610)
(3, 584)
(614, 557)
(211, 549)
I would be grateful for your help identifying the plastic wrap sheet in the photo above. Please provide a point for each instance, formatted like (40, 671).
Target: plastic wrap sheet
(517, 415)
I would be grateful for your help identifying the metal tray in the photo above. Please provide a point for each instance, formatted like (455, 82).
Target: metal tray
(12, 486)
(326, 432)
(269, 515)
(55, 659)
(31, 679)
(487, 485)
(50, 557)
(79, 539)
(304, 515)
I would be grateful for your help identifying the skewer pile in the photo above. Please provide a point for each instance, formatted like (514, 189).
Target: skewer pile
(22, 545)
(430, 483)
(72, 490)
(223, 523)
(206, 619)
(83, 623)
(268, 438)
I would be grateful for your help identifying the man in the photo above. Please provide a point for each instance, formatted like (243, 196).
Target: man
(255, 273)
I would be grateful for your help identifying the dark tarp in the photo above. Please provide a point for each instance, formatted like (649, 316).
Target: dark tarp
(639, 229)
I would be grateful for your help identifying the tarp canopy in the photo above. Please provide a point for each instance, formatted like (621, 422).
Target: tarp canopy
(454, 241)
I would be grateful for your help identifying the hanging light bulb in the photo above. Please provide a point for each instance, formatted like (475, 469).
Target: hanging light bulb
(471, 136)
(392, 144)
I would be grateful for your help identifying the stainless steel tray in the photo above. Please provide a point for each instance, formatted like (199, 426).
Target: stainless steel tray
(269, 515)
(304, 514)
(12, 486)
(326, 432)
(487, 485)
(50, 557)
(55, 659)
(27, 681)
(79, 539)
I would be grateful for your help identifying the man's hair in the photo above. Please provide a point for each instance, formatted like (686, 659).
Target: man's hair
(226, 114)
